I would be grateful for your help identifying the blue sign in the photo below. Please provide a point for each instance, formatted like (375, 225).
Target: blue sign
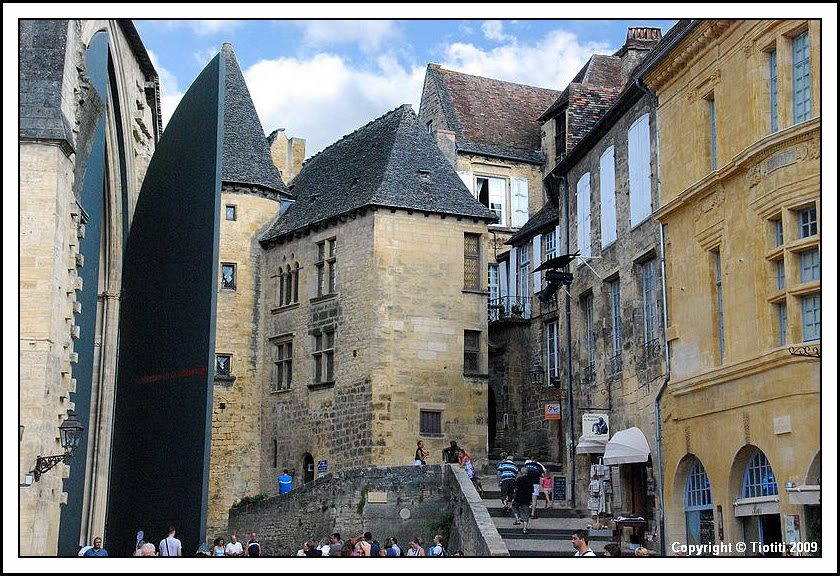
(322, 466)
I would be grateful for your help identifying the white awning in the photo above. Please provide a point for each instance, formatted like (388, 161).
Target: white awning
(627, 447)
(591, 446)
(805, 495)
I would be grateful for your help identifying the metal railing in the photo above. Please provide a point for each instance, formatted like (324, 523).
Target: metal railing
(615, 365)
(588, 377)
(651, 350)
(509, 308)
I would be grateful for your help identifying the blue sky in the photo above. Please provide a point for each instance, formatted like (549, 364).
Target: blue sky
(322, 79)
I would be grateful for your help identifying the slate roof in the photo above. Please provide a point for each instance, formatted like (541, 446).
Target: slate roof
(600, 70)
(492, 117)
(547, 217)
(390, 162)
(246, 156)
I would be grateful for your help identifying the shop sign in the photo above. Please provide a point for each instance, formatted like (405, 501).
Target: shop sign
(553, 412)
(596, 426)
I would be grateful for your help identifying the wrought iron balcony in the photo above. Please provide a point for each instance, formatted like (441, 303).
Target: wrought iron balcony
(588, 377)
(615, 365)
(651, 350)
(509, 308)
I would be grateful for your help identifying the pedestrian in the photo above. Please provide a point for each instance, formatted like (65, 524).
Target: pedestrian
(219, 546)
(365, 545)
(546, 488)
(642, 551)
(420, 454)
(469, 468)
(148, 549)
(436, 549)
(535, 472)
(506, 472)
(285, 482)
(336, 544)
(522, 491)
(170, 546)
(450, 455)
(310, 550)
(97, 549)
(612, 549)
(459, 553)
(392, 548)
(580, 542)
(253, 548)
(140, 544)
(416, 548)
(233, 548)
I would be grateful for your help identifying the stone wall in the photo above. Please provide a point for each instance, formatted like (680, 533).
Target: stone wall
(235, 443)
(399, 501)
(473, 530)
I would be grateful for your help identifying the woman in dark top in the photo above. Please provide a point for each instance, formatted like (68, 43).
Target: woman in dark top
(420, 454)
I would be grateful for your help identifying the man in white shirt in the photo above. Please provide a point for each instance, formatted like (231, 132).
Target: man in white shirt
(170, 546)
(233, 547)
(580, 542)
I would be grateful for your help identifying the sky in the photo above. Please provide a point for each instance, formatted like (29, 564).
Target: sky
(322, 79)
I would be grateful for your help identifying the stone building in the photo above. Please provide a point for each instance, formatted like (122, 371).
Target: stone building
(740, 132)
(89, 123)
(605, 186)
(287, 153)
(253, 194)
(375, 330)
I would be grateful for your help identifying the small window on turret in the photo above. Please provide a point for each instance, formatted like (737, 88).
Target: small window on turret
(230, 212)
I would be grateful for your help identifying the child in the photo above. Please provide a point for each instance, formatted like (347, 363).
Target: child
(547, 490)
(467, 462)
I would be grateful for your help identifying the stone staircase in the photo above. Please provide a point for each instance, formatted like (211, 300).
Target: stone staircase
(550, 534)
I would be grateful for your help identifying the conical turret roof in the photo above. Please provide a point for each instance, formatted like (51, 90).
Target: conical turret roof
(247, 158)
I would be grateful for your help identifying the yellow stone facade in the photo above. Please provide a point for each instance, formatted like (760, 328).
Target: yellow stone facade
(235, 440)
(398, 315)
(738, 390)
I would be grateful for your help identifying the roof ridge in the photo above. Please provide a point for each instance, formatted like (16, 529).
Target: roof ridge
(360, 128)
(440, 69)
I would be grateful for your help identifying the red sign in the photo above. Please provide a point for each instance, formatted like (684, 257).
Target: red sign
(553, 412)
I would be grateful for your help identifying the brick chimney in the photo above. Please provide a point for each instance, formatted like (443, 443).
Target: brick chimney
(639, 41)
(287, 154)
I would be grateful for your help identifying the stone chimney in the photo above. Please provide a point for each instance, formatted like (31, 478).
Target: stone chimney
(287, 154)
(446, 142)
(639, 42)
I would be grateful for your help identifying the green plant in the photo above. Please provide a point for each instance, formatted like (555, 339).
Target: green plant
(442, 525)
(360, 507)
(815, 528)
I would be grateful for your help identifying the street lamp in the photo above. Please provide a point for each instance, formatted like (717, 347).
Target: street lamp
(70, 433)
(536, 373)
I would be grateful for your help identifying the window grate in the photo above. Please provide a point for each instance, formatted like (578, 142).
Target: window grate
(471, 261)
(698, 489)
(430, 422)
(472, 340)
(759, 479)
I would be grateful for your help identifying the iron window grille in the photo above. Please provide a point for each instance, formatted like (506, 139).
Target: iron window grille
(471, 262)
(430, 422)
(472, 339)
(759, 479)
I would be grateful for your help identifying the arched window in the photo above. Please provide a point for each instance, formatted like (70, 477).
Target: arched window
(288, 284)
(759, 479)
(699, 514)
(297, 278)
(280, 287)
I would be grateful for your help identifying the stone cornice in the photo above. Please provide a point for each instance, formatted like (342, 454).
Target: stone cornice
(750, 160)
(682, 55)
(721, 375)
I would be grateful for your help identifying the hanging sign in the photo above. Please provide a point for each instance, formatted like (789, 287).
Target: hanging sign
(553, 412)
(596, 426)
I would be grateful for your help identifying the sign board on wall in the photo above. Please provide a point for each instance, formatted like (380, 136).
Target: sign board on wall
(559, 487)
(553, 412)
(322, 468)
(596, 426)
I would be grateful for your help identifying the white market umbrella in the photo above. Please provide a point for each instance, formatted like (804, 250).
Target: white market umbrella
(627, 447)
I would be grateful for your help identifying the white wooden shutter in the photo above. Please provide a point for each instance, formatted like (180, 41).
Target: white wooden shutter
(503, 279)
(469, 181)
(638, 142)
(584, 217)
(557, 251)
(537, 261)
(512, 271)
(608, 218)
(497, 199)
(519, 192)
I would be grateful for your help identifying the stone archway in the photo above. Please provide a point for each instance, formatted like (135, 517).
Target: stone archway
(754, 490)
(308, 468)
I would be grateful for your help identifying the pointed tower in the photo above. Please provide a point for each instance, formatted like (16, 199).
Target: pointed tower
(253, 194)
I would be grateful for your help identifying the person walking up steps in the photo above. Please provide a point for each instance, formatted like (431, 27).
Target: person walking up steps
(506, 472)
(522, 491)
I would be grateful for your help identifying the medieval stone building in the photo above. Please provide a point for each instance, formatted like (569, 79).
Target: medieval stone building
(89, 123)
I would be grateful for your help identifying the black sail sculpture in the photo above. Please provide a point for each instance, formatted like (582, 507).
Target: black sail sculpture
(162, 424)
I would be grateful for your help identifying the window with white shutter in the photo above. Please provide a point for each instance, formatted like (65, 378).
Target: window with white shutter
(519, 193)
(497, 199)
(638, 144)
(467, 178)
(537, 243)
(584, 217)
(503, 279)
(609, 232)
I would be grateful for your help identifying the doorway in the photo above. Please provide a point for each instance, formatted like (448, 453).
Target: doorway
(491, 421)
(308, 468)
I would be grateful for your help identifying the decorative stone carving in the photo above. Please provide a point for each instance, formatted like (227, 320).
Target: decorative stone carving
(688, 439)
(746, 419)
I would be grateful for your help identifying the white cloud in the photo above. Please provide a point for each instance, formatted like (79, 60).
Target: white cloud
(170, 96)
(550, 62)
(494, 30)
(368, 34)
(203, 57)
(324, 97)
(207, 27)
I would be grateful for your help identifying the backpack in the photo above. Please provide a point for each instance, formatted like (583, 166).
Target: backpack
(374, 548)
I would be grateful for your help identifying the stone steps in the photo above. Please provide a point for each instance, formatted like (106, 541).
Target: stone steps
(546, 533)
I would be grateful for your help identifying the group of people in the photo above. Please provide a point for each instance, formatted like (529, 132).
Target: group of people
(521, 488)
(234, 548)
(457, 455)
(366, 545)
